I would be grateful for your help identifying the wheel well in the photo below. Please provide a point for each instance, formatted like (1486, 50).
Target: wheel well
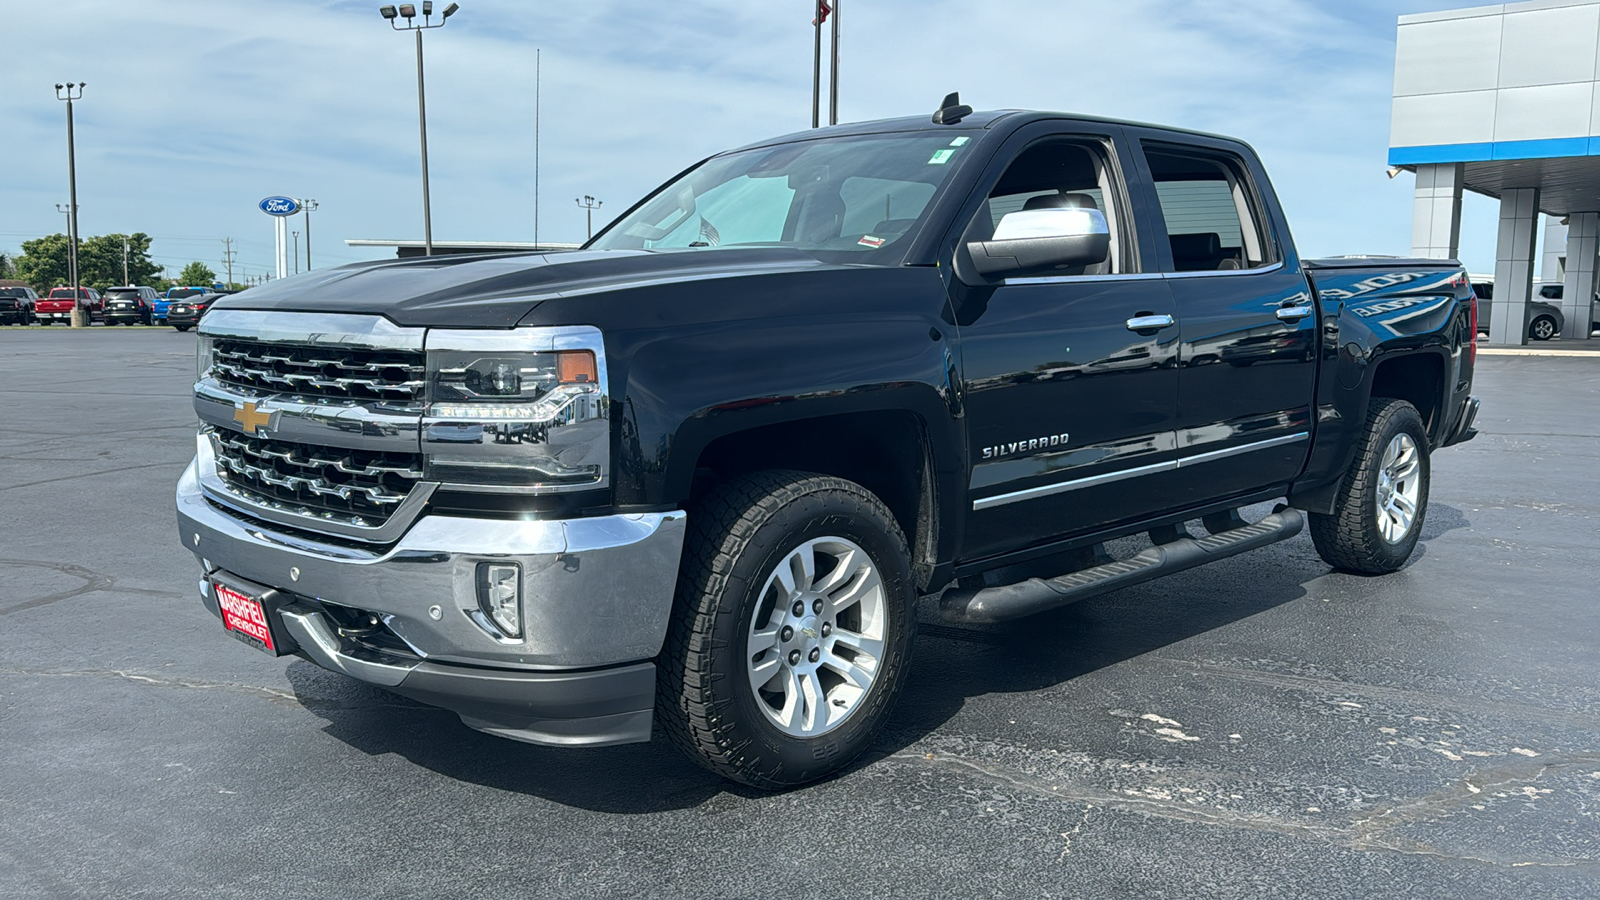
(884, 452)
(1417, 379)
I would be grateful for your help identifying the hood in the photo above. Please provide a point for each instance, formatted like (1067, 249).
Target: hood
(496, 291)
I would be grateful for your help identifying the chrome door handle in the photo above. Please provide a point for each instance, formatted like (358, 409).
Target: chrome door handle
(1293, 314)
(1149, 323)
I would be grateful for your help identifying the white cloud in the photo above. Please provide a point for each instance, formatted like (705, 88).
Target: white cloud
(196, 109)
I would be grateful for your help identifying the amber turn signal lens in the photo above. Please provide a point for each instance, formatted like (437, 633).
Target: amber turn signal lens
(577, 367)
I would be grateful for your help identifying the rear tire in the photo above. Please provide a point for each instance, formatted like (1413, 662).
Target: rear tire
(1381, 504)
(791, 630)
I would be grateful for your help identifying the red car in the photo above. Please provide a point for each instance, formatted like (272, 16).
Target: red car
(58, 306)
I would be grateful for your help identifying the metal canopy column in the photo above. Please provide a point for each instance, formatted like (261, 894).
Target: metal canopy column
(1436, 211)
(1513, 267)
(1583, 244)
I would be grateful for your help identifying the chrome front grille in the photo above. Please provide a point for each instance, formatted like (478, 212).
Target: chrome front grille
(348, 373)
(357, 488)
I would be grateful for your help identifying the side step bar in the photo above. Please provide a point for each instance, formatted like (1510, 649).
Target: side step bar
(1013, 601)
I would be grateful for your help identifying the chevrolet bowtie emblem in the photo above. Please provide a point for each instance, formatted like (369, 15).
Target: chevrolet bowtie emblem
(254, 421)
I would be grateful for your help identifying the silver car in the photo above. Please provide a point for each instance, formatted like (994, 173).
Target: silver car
(1545, 320)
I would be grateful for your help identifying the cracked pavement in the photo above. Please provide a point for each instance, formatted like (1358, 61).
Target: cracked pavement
(1258, 727)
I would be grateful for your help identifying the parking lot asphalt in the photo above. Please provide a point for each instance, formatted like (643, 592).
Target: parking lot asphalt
(1259, 727)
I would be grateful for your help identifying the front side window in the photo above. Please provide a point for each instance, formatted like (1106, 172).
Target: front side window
(1056, 174)
(1212, 219)
(851, 195)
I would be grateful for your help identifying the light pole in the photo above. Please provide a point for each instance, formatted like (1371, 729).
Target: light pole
(308, 207)
(66, 92)
(589, 205)
(408, 11)
(296, 251)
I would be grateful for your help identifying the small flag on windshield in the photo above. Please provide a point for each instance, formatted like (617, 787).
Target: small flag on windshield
(708, 231)
(823, 9)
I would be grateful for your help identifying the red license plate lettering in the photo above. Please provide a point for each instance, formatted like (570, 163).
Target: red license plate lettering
(244, 615)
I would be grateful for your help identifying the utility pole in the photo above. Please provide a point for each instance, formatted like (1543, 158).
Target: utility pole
(408, 11)
(589, 205)
(833, 74)
(308, 207)
(227, 259)
(538, 61)
(65, 92)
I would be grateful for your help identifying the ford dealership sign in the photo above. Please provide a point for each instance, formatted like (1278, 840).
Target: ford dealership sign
(279, 206)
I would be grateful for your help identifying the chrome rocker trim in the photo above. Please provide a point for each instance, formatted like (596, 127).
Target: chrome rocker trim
(1046, 490)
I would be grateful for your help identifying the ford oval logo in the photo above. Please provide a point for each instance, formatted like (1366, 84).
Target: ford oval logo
(279, 206)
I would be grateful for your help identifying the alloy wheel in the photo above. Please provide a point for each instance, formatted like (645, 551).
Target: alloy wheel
(1399, 488)
(816, 640)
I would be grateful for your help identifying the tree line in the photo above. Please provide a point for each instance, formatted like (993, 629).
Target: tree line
(46, 263)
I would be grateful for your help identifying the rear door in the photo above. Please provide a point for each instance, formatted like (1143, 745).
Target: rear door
(1248, 319)
(1069, 411)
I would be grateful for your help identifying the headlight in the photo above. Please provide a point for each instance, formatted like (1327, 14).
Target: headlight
(517, 410)
(204, 355)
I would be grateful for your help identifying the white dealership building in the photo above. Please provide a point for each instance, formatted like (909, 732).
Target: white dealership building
(1504, 100)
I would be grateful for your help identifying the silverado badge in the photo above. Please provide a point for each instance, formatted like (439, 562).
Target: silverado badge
(255, 421)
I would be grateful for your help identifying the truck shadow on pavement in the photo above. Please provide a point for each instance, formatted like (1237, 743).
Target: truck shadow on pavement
(950, 665)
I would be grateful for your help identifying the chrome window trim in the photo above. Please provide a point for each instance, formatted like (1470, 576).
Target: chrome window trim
(316, 329)
(1046, 490)
(1212, 273)
(1083, 279)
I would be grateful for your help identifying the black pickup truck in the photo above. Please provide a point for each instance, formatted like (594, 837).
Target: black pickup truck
(698, 473)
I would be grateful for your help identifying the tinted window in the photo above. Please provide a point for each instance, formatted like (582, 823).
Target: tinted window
(184, 292)
(1209, 207)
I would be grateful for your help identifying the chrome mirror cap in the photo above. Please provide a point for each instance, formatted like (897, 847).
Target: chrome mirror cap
(1048, 223)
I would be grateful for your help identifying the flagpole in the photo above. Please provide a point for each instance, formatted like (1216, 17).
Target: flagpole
(833, 74)
(816, 67)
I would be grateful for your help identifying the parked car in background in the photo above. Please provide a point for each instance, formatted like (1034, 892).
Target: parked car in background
(1545, 320)
(177, 293)
(57, 307)
(130, 305)
(1557, 291)
(17, 306)
(184, 313)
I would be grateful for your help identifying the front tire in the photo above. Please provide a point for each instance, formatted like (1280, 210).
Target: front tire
(791, 630)
(1381, 504)
(1542, 328)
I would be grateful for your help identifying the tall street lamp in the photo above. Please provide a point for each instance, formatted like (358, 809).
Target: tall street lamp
(408, 11)
(71, 92)
(308, 207)
(589, 205)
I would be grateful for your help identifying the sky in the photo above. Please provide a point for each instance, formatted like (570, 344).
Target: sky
(195, 110)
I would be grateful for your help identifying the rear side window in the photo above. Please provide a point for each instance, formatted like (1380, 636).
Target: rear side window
(1212, 213)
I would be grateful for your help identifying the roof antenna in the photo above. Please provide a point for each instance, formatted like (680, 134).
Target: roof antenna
(951, 110)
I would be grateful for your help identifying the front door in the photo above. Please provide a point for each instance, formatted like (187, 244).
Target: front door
(1069, 380)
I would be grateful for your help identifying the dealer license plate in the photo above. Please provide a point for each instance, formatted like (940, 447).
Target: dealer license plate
(245, 617)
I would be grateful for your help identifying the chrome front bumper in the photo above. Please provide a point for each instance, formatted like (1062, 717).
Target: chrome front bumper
(597, 595)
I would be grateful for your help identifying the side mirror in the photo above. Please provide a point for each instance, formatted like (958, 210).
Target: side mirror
(1040, 241)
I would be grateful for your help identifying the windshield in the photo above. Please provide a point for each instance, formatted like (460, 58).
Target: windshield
(852, 195)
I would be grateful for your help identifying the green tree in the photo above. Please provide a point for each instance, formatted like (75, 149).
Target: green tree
(100, 260)
(44, 262)
(196, 274)
(7, 269)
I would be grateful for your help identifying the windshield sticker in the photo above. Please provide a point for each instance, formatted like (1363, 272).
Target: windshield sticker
(873, 242)
(960, 142)
(940, 157)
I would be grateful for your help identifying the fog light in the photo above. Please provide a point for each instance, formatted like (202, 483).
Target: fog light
(500, 596)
